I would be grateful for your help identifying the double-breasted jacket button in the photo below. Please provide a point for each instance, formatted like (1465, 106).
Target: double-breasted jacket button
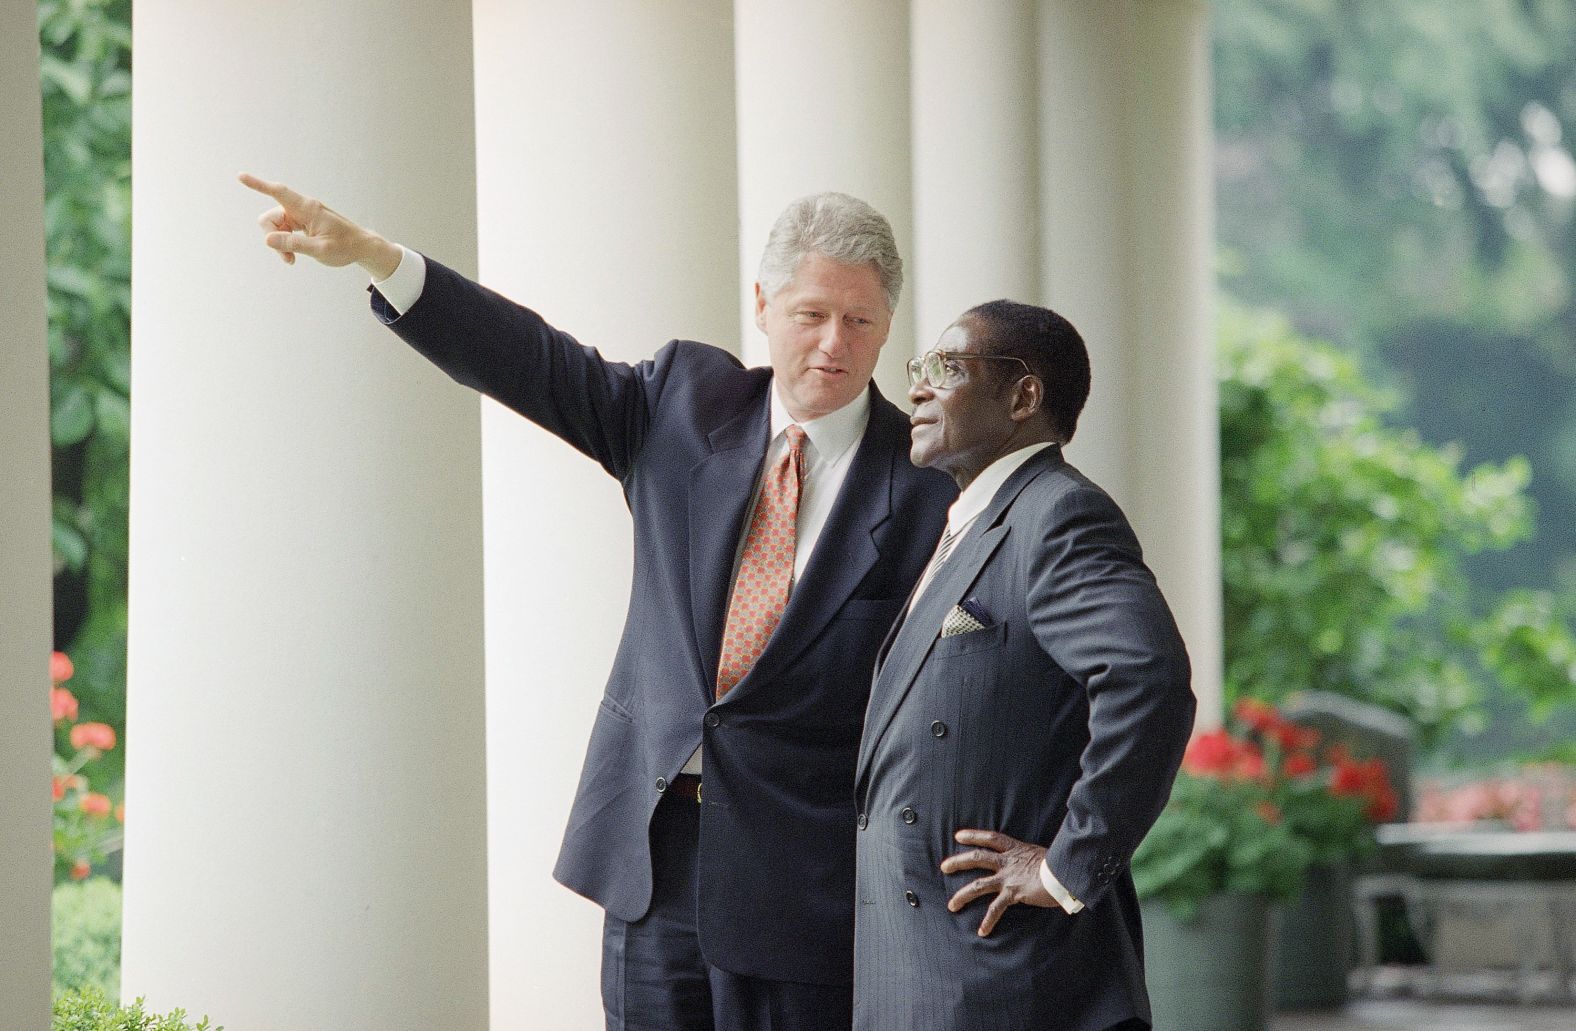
(662, 784)
(863, 821)
(908, 814)
(713, 720)
(913, 899)
(938, 729)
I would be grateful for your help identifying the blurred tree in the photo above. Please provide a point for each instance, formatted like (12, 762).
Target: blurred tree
(1398, 179)
(1343, 538)
(86, 69)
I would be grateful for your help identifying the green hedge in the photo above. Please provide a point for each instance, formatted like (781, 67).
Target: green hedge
(91, 1010)
(87, 936)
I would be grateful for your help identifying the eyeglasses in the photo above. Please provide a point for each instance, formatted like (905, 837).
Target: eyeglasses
(938, 369)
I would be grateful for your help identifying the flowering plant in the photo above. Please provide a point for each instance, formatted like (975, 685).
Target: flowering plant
(87, 823)
(1254, 804)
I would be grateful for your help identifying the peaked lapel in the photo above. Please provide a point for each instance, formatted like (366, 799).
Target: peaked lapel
(721, 486)
(846, 549)
(913, 638)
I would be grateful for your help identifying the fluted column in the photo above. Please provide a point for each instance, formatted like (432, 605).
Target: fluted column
(25, 866)
(306, 818)
(607, 174)
(975, 161)
(823, 100)
(1128, 246)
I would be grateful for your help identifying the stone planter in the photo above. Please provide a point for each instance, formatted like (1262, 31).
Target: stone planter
(1314, 942)
(1211, 973)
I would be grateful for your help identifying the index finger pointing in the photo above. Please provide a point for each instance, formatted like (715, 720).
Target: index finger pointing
(278, 191)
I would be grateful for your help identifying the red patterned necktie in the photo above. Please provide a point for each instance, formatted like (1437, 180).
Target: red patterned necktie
(760, 593)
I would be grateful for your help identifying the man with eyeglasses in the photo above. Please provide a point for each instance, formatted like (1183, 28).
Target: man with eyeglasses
(778, 528)
(1028, 715)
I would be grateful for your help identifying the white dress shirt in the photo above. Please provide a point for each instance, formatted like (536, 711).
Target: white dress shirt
(965, 511)
(828, 452)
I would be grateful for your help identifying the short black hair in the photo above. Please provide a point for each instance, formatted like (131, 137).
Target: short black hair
(1048, 344)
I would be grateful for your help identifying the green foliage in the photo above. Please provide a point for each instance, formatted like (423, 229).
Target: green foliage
(90, 1010)
(1343, 540)
(1212, 837)
(1397, 178)
(87, 936)
(86, 80)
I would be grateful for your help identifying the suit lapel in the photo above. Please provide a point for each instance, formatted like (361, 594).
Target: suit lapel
(911, 641)
(721, 486)
(846, 549)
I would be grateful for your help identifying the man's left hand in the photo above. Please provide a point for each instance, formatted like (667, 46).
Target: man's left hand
(1015, 876)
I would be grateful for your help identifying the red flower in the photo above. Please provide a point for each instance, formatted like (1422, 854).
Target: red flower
(1383, 806)
(59, 786)
(93, 735)
(95, 804)
(60, 668)
(1299, 764)
(1268, 812)
(1249, 763)
(1349, 778)
(120, 813)
(1257, 715)
(80, 869)
(1210, 754)
(62, 703)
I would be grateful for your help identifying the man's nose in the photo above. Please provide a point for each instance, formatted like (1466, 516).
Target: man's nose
(920, 391)
(834, 338)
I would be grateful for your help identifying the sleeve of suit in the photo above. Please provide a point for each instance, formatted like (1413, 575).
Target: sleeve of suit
(485, 341)
(1096, 610)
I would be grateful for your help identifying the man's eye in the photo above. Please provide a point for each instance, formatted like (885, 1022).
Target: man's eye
(808, 316)
(953, 368)
(862, 323)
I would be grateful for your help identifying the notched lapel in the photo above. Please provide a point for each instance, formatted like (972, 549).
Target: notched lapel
(720, 489)
(919, 632)
(844, 553)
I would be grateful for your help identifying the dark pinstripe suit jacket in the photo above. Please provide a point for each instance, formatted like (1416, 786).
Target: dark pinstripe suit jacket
(1061, 723)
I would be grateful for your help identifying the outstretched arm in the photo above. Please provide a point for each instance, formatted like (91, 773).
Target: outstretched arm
(298, 224)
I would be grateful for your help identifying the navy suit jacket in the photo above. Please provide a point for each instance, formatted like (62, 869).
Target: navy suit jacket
(686, 434)
(1061, 723)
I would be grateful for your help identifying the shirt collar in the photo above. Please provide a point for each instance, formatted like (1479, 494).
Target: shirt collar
(977, 495)
(831, 434)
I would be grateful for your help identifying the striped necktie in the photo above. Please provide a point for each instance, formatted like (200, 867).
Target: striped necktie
(949, 537)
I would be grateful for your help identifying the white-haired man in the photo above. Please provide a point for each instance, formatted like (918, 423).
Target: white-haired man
(779, 527)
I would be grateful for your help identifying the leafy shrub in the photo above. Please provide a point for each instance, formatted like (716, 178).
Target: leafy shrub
(87, 935)
(91, 1010)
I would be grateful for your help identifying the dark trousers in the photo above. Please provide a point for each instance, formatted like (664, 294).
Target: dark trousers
(654, 977)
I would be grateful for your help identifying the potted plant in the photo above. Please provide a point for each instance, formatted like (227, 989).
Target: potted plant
(1330, 801)
(1215, 861)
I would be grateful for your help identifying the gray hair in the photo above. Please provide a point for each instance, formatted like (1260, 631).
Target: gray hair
(836, 226)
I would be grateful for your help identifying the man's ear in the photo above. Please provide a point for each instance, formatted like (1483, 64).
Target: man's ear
(760, 307)
(1028, 398)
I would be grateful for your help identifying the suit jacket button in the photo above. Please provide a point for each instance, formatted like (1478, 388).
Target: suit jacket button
(864, 821)
(713, 720)
(908, 814)
(662, 784)
(939, 729)
(913, 899)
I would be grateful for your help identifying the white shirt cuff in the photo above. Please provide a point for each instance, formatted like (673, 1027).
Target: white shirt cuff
(402, 289)
(1062, 896)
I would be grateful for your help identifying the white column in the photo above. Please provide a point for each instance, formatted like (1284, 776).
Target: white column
(305, 804)
(25, 866)
(976, 182)
(1127, 237)
(823, 90)
(608, 202)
